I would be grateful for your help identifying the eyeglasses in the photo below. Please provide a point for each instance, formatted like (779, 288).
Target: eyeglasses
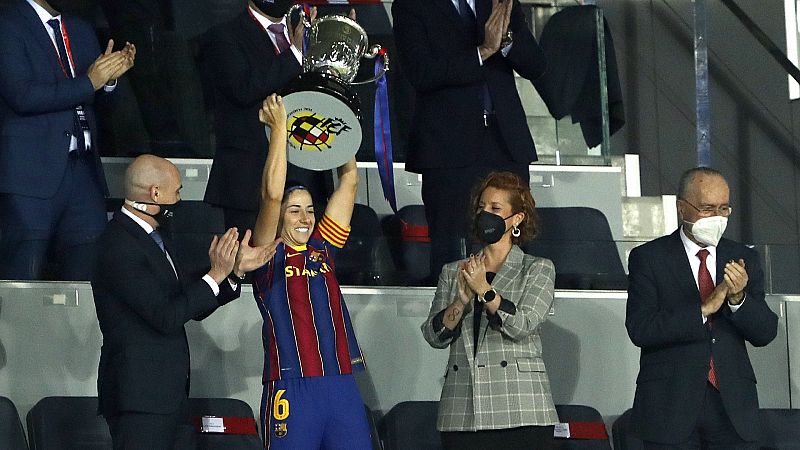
(707, 211)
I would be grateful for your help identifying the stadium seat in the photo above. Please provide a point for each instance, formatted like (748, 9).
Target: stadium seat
(372, 419)
(578, 240)
(780, 429)
(622, 434)
(363, 259)
(581, 413)
(225, 407)
(67, 423)
(410, 244)
(411, 425)
(12, 436)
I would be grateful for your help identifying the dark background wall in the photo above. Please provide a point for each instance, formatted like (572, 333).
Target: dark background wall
(754, 125)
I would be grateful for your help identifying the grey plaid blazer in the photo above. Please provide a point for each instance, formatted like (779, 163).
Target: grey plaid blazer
(506, 384)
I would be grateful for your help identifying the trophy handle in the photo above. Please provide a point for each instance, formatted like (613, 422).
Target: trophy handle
(298, 7)
(374, 51)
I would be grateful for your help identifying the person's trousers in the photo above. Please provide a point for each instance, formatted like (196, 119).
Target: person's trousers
(143, 431)
(65, 226)
(713, 431)
(446, 193)
(522, 438)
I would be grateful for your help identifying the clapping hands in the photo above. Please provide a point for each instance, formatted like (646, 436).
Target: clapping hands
(111, 64)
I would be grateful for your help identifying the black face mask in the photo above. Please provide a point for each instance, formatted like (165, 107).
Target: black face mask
(164, 216)
(490, 227)
(273, 8)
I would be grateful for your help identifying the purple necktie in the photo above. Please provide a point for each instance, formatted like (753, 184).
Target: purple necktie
(280, 38)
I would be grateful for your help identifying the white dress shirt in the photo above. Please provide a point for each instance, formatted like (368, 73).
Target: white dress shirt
(691, 249)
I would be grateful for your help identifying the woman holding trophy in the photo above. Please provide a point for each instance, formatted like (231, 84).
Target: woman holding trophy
(310, 398)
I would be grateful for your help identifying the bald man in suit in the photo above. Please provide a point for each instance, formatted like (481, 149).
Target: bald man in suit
(694, 299)
(143, 298)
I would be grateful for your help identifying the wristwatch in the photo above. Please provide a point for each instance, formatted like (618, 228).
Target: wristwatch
(507, 39)
(235, 279)
(489, 295)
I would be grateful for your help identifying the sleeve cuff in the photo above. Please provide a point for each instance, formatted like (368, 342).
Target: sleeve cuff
(440, 330)
(110, 86)
(506, 306)
(212, 284)
(507, 49)
(734, 308)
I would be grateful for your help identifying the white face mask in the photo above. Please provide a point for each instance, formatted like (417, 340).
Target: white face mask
(708, 230)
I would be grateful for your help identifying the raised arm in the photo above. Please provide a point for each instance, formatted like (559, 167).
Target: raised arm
(273, 177)
(340, 206)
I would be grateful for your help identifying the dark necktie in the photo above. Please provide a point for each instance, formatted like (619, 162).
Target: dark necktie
(706, 285)
(471, 26)
(280, 39)
(468, 17)
(77, 130)
(159, 240)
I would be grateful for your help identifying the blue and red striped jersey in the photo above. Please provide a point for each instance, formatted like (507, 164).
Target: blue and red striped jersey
(307, 330)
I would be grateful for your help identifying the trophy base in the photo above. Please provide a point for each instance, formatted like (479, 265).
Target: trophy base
(323, 121)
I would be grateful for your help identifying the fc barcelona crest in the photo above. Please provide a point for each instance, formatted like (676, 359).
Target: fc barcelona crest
(281, 429)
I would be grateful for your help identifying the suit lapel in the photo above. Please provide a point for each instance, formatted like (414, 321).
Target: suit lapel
(724, 254)
(39, 34)
(503, 282)
(152, 251)
(483, 8)
(677, 262)
(255, 33)
(467, 333)
(448, 11)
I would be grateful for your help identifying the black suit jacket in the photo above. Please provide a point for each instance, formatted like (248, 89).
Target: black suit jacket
(37, 101)
(664, 320)
(444, 69)
(142, 308)
(243, 67)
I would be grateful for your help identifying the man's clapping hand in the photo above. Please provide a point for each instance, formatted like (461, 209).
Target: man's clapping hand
(222, 254)
(111, 65)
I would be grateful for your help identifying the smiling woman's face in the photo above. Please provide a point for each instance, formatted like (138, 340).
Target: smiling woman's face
(298, 218)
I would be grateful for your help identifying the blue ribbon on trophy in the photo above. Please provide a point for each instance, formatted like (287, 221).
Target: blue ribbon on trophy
(383, 135)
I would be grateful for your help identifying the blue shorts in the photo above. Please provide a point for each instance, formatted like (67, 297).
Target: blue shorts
(314, 413)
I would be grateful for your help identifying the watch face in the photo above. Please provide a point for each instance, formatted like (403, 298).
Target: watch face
(489, 295)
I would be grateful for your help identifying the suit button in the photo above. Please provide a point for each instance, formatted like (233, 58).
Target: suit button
(713, 340)
(455, 367)
(503, 363)
(67, 134)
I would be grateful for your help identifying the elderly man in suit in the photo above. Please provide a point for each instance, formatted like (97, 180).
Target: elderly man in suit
(694, 300)
(143, 299)
(460, 56)
(51, 179)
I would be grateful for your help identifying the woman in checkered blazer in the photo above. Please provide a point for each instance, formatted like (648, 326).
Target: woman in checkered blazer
(488, 309)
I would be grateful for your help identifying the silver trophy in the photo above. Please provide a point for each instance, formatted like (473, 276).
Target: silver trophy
(324, 112)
